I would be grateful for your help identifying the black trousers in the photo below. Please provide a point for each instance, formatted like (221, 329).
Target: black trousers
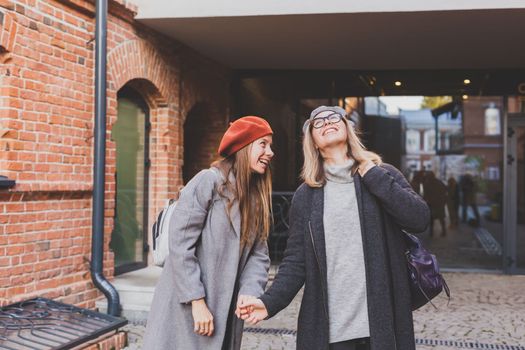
(354, 344)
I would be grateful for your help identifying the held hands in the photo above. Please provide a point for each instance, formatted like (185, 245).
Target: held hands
(202, 318)
(242, 300)
(252, 310)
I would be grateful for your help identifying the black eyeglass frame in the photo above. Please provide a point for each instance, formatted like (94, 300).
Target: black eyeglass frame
(307, 126)
(328, 118)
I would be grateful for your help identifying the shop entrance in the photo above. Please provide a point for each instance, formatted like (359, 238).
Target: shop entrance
(451, 146)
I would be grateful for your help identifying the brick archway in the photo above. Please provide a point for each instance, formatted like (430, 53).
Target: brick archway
(137, 64)
(137, 59)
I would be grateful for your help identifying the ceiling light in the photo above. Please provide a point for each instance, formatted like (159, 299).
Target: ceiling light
(397, 83)
(464, 97)
(466, 81)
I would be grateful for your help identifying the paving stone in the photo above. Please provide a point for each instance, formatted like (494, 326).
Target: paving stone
(488, 309)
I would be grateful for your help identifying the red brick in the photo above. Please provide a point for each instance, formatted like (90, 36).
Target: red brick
(14, 291)
(8, 4)
(4, 261)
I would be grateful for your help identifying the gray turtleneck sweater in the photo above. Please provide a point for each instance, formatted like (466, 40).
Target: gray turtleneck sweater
(347, 304)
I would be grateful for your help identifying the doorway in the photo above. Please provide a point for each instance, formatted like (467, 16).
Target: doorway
(131, 135)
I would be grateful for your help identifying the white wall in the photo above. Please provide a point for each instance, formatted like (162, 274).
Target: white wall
(220, 8)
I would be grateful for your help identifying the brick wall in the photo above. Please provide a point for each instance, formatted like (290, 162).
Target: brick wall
(46, 134)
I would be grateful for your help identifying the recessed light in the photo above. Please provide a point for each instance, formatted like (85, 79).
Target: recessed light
(397, 83)
(466, 81)
(464, 97)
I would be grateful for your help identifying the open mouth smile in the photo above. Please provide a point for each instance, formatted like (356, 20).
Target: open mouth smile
(330, 130)
(264, 162)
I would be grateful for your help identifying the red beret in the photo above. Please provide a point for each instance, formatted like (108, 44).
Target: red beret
(241, 133)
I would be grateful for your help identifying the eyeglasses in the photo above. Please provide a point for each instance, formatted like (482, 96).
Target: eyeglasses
(319, 122)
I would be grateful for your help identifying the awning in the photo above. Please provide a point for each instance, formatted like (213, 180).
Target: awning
(332, 35)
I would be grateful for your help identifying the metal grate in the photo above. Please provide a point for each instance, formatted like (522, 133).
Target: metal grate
(454, 344)
(488, 242)
(43, 324)
(468, 345)
(281, 202)
(272, 331)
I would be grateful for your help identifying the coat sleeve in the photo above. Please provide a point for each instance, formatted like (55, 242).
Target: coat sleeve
(255, 273)
(291, 275)
(398, 198)
(185, 229)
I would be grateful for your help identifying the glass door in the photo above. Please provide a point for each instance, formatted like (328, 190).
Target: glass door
(130, 133)
(515, 217)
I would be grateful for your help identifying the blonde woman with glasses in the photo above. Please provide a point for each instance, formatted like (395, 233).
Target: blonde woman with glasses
(345, 245)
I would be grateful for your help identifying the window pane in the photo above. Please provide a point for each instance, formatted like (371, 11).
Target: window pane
(129, 135)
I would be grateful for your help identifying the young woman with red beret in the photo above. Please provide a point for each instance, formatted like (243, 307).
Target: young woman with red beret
(218, 251)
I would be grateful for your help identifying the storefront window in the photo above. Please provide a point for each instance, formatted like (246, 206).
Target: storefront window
(412, 141)
(461, 182)
(492, 120)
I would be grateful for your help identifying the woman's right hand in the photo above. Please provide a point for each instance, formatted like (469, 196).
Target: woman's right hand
(202, 318)
(253, 311)
(364, 166)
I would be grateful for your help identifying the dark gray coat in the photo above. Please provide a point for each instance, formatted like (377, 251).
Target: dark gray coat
(386, 204)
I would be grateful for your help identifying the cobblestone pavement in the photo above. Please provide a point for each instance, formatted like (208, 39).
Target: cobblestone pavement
(485, 311)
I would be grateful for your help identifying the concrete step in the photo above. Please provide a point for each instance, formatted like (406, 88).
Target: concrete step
(136, 290)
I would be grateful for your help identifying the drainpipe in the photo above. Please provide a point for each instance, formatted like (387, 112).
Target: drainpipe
(99, 163)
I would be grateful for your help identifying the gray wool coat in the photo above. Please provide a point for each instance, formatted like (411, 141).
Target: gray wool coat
(205, 261)
(387, 204)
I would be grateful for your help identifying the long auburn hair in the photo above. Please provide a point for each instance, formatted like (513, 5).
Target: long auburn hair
(252, 190)
(313, 170)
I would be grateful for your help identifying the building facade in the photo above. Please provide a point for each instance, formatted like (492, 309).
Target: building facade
(46, 137)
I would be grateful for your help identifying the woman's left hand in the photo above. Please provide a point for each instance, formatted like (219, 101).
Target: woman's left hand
(364, 166)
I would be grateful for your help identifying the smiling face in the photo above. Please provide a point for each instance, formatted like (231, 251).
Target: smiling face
(261, 154)
(331, 134)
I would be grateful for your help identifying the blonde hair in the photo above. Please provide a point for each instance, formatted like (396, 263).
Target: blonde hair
(253, 192)
(313, 171)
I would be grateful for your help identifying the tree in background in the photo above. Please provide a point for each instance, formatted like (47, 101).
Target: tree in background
(432, 102)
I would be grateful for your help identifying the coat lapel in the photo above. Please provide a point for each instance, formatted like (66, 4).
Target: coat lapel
(317, 225)
(359, 197)
(235, 217)
(235, 213)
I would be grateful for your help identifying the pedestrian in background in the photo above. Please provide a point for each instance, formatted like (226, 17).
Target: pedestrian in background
(417, 182)
(435, 194)
(468, 199)
(453, 201)
(218, 255)
(345, 245)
